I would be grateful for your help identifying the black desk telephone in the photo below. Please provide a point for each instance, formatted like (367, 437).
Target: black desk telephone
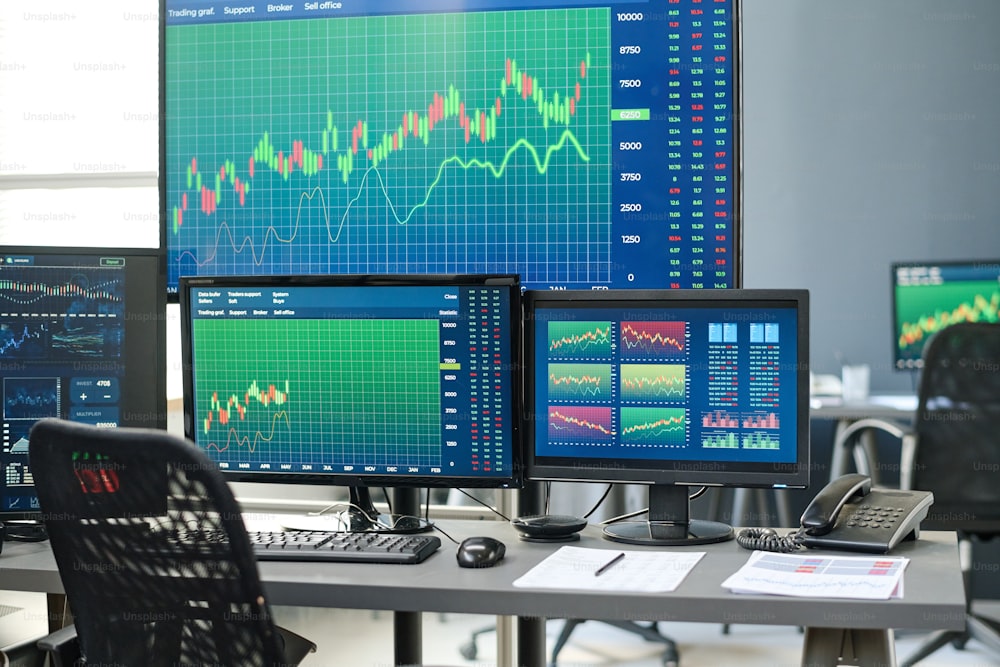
(849, 514)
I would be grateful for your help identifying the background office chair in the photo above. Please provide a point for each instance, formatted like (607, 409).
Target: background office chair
(648, 631)
(115, 502)
(953, 450)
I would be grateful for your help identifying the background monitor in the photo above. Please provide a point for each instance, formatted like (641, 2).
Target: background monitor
(82, 337)
(672, 389)
(576, 144)
(400, 381)
(928, 296)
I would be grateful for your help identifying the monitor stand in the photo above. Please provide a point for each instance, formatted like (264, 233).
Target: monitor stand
(669, 522)
(363, 517)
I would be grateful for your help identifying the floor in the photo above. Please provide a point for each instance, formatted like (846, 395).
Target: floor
(349, 638)
(593, 644)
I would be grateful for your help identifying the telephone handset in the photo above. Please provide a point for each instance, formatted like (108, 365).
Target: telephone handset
(821, 514)
(849, 514)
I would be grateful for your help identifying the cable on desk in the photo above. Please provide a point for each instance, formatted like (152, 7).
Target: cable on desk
(768, 539)
(600, 501)
(492, 509)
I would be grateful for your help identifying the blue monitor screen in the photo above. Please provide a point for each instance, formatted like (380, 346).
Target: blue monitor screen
(575, 144)
(355, 380)
(82, 337)
(669, 387)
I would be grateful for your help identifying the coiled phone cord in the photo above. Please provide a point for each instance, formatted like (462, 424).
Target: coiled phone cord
(768, 539)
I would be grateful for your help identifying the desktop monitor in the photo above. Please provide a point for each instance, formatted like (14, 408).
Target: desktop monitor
(361, 381)
(576, 144)
(672, 389)
(82, 337)
(928, 296)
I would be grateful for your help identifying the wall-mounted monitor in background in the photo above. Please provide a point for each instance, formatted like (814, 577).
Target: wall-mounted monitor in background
(928, 296)
(670, 388)
(82, 337)
(576, 144)
(360, 381)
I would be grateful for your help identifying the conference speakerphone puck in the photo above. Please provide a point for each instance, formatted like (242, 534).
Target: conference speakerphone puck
(549, 526)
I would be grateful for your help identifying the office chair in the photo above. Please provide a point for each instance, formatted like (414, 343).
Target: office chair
(152, 552)
(953, 450)
(648, 631)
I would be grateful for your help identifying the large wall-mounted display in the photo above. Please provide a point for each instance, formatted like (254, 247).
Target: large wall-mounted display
(576, 144)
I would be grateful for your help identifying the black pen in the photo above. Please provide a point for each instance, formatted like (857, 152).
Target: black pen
(607, 566)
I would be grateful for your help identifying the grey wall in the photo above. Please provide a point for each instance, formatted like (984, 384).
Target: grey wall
(871, 134)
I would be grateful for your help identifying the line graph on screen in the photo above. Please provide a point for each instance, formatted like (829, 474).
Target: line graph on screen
(332, 384)
(302, 160)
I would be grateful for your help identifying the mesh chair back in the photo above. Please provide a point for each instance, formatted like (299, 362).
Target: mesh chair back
(114, 502)
(958, 428)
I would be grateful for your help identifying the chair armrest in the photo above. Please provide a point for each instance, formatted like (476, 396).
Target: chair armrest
(23, 654)
(853, 443)
(61, 646)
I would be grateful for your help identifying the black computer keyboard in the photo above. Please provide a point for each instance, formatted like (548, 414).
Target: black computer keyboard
(343, 546)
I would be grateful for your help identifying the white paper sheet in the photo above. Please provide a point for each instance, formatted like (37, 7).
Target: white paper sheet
(805, 575)
(639, 571)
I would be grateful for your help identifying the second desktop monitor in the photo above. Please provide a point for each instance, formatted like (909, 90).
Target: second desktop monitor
(669, 388)
(361, 381)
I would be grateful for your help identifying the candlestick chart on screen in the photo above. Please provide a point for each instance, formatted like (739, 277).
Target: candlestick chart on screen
(578, 147)
(926, 309)
(297, 386)
(423, 143)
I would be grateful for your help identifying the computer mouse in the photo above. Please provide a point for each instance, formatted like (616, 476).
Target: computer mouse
(480, 552)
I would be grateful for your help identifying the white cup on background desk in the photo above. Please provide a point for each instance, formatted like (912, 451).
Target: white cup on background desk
(855, 379)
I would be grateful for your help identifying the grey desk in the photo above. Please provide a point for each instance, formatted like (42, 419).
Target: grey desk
(877, 406)
(860, 630)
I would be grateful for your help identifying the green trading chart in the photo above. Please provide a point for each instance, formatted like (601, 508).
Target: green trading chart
(364, 390)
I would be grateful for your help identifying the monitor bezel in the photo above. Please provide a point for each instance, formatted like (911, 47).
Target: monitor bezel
(514, 475)
(686, 472)
(898, 362)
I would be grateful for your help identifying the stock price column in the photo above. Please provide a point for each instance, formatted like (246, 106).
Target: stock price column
(682, 226)
(764, 386)
(486, 395)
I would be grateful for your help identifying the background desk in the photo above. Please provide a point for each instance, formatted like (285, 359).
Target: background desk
(882, 406)
(934, 597)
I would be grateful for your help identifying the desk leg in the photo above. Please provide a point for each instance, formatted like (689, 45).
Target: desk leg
(407, 627)
(407, 633)
(531, 642)
(531, 631)
(833, 646)
(505, 641)
(59, 614)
